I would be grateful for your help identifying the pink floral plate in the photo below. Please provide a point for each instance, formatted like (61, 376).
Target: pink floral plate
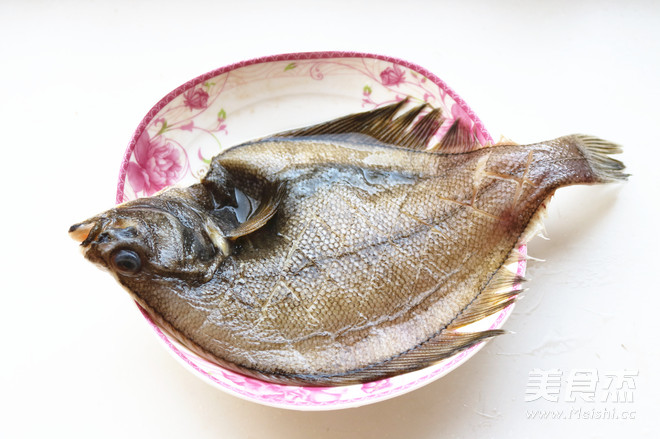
(176, 140)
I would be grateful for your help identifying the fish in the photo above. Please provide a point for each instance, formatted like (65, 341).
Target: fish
(343, 252)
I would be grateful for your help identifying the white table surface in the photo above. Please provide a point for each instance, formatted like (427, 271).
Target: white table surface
(76, 77)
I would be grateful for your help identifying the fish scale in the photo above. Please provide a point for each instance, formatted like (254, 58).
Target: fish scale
(364, 256)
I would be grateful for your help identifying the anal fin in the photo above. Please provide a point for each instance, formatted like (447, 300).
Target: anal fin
(432, 351)
(500, 292)
(440, 347)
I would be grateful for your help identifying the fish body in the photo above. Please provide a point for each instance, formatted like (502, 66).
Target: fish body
(344, 252)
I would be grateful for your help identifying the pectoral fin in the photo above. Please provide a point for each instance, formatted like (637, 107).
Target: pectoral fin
(257, 219)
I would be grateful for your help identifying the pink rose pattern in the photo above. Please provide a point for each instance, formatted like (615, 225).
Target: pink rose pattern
(158, 164)
(392, 76)
(196, 99)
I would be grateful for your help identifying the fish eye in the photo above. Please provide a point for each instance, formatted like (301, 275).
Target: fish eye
(126, 261)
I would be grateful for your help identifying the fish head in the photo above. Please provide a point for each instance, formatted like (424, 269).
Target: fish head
(153, 241)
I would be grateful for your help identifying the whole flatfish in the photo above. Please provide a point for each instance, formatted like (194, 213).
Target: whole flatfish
(344, 252)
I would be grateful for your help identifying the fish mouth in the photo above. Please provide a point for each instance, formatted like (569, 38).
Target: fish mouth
(103, 228)
(81, 231)
(88, 231)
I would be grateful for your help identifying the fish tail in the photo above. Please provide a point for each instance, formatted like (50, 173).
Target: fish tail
(596, 152)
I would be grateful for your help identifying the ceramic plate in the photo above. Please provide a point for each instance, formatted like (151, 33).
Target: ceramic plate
(176, 140)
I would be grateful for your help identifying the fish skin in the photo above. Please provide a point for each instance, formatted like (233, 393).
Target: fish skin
(358, 259)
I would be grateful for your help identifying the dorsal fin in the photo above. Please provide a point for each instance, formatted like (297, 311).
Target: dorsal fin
(405, 131)
(459, 138)
(505, 141)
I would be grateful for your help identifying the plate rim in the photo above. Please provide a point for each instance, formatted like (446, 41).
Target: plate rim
(301, 56)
